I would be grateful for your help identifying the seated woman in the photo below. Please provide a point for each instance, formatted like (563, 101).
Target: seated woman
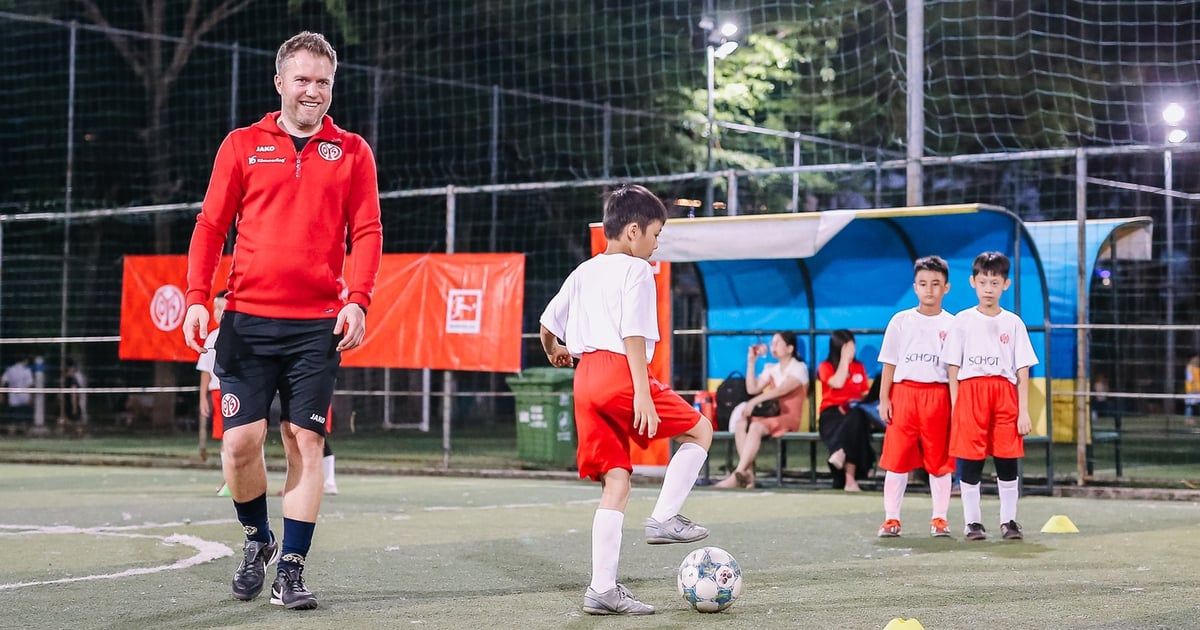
(786, 382)
(845, 429)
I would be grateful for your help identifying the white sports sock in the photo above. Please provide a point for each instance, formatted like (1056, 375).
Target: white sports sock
(681, 474)
(939, 489)
(972, 512)
(894, 485)
(606, 548)
(1008, 500)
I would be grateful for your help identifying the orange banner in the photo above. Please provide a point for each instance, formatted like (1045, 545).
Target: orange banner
(438, 311)
(153, 305)
(658, 453)
(445, 312)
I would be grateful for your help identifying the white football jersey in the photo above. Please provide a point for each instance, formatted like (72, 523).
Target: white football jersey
(988, 346)
(913, 343)
(606, 299)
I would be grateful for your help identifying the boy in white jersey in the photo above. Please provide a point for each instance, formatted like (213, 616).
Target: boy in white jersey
(914, 398)
(606, 312)
(987, 357)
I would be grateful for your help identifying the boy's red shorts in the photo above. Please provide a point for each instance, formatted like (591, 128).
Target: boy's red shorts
(604, 413)
(218, 421)
(985, 420)
(919, 435)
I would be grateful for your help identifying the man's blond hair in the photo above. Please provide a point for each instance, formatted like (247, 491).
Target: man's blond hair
(314, 43)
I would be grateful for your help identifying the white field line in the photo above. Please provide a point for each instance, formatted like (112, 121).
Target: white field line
(206, 550)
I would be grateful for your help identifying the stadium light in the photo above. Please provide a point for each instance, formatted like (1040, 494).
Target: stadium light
(719, 44)
(1173, 114)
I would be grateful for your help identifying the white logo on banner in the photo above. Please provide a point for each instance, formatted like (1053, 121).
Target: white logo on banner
(167, 307)
(464, 309)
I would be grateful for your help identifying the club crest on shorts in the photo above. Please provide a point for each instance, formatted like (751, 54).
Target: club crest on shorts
(329, 151)
(230, 405)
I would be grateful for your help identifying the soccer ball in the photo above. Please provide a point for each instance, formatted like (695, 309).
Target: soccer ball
(710, 579)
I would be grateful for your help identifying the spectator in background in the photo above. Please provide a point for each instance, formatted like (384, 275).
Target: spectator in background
(845, 429)
(73, 400)
(1191, 387)
(784, 381)
(20, 404)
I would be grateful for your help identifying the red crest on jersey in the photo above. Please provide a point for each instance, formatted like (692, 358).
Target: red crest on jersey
(1004, 338)
(942, 335)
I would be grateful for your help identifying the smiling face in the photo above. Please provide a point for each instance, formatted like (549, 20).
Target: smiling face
(305, 86)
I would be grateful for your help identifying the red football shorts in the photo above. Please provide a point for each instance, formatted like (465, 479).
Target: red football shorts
(919, 435)
(218, 421)
(985, 420)
(604, 413)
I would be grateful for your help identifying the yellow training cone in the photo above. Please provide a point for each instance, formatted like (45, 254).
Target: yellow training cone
(1059, 524)
(899, 623)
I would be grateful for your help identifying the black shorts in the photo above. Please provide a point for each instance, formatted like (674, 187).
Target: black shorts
(258, 357)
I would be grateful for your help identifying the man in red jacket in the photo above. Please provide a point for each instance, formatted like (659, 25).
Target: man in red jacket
(298, 187)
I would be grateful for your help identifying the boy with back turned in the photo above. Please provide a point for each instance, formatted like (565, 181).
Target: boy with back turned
(606, 312)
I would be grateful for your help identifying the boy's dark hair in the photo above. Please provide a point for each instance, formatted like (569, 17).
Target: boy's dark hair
(791, 339)
(935, 264)
(992, 264)
(631, 204)
(839, 338)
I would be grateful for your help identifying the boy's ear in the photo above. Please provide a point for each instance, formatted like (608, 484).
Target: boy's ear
(1007, 283)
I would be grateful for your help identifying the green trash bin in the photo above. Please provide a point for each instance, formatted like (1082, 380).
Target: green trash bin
(545, 415)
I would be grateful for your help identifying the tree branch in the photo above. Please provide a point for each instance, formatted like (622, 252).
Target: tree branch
(93, 13)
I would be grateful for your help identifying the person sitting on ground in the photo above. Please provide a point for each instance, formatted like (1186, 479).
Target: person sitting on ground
(845, 429)
(785, 381)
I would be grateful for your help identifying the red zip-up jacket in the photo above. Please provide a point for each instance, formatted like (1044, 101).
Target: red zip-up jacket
(293, 212)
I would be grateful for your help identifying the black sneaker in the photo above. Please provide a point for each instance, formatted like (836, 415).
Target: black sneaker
(289, 590)
(248, 579)
(975, 531)
(1011, 531)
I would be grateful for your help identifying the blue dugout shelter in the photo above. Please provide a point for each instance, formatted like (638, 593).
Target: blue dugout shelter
(813, 273)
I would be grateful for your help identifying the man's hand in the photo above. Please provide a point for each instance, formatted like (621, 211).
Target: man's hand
(352, 323)
(195, 327)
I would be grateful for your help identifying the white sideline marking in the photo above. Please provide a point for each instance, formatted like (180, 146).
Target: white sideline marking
(206, 550)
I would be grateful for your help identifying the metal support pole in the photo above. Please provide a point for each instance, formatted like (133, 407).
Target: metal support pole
(448, 376)
(708, 162)
(1169, 257)
(915, 103)
(234, 63)
(732, 203)
(796, 175)
(68, 199)
(1082, 382)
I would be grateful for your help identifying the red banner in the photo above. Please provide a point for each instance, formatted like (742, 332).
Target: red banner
(439, 311)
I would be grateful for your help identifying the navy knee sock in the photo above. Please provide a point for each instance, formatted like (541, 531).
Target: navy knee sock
(297, 538)
(253, 517)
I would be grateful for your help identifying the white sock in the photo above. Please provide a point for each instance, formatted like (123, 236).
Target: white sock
(894, 485)
(1008, 500)
(327, 466)
(606, 548)
(681, 474)
(939, 489)
(972, 512)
